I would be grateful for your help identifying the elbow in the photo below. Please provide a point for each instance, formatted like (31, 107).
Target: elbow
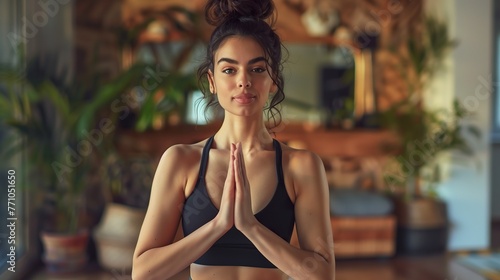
(139, 274)
(323, 271)
(320, 272)
(330, 275)
(138, 270)
(331, 269)
(314, 267)
(142, 270)
(135, 275)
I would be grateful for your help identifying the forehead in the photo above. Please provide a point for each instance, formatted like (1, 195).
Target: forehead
(239, 48)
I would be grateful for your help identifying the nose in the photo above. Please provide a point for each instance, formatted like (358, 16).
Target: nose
(244, 82)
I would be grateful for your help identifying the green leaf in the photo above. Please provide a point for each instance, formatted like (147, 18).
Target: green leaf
(59, 99)
(106, 94)
(146, 115)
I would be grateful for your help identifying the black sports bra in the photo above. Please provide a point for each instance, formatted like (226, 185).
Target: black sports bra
(233, 248)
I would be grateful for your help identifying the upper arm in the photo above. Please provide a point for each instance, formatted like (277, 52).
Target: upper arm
(312, 208)
(165, 203)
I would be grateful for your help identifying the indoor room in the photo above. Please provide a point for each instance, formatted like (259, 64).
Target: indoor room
(397, 99)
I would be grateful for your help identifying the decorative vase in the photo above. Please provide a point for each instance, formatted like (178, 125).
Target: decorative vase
(65, 253)
(116, 236)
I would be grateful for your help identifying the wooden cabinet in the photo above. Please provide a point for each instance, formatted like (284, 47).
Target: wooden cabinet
(364, 236)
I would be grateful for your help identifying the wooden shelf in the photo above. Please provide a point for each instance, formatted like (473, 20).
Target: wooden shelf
(324, 142)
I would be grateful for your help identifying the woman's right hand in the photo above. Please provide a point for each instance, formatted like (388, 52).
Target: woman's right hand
(225, 217)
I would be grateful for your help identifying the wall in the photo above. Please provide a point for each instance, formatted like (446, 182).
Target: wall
(6, 25)
(467, 189)
(49, 30)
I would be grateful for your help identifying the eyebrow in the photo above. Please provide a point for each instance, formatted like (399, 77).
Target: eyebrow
(232, 61)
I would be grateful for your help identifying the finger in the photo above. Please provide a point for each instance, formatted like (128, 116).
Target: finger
(237, 165)
(230, 169)
(231, 154)
(242, 165)
(233, 150)
(233, 158)
(235, 162)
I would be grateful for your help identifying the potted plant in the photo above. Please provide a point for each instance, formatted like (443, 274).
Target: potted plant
(425, 135)
(168, 39)
(53, 121)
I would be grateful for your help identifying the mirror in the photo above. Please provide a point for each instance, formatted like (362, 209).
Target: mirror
(332, 85)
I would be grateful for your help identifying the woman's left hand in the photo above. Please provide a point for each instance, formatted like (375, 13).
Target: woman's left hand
(243, 214)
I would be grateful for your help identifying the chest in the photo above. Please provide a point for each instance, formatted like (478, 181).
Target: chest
(261, 171)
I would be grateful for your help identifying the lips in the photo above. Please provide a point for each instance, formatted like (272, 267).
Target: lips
(244, 98)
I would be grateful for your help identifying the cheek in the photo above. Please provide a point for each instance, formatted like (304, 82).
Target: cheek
(224, 82)
(268, 84)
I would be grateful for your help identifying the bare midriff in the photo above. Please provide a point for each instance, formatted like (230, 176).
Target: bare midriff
(205, 272)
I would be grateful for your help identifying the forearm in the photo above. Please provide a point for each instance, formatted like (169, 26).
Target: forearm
(296, 263)
(164, 262)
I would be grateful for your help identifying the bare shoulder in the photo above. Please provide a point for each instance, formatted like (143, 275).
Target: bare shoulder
(300, 161)
(183, 155)
(180, 162)
(304, 170)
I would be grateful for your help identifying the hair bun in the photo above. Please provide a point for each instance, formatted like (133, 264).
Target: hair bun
(218, 11)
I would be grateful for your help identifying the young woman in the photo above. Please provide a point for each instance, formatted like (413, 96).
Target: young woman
(240, 192)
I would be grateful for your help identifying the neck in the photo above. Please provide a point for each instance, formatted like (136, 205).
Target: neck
(250, 132)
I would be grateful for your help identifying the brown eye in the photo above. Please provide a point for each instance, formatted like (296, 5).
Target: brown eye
(258, 70)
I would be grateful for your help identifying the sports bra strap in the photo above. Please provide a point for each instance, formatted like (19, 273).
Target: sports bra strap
(204, 157)
(279, 166)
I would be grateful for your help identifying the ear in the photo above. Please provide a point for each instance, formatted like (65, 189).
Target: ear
(211, 82)
(274, 88)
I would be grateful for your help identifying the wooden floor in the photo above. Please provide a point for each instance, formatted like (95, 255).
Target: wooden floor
(439, 267)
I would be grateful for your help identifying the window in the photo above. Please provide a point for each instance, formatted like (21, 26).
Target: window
(26, 239)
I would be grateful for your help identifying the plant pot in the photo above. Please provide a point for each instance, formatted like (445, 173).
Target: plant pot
(116, 236)
(411, 241)
(422, 226)
(65, 253)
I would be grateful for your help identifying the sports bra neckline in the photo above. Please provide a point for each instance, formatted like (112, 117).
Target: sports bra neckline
(201, 176)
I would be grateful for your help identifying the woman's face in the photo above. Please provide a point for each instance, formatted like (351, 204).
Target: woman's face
(241, 78)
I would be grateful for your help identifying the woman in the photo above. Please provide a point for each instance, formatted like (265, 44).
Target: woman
(239, 192)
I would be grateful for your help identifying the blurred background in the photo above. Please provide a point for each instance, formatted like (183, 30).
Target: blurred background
(398, 97)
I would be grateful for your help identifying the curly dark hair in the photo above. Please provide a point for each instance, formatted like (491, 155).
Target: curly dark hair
(248, 19)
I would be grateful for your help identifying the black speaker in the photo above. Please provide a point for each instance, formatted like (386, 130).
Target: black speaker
(337, 93)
